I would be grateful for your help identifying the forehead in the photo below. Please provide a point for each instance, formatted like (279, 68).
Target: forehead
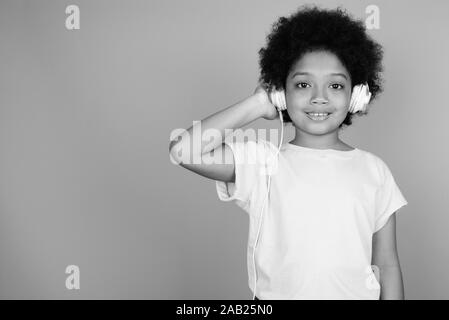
(319, 63)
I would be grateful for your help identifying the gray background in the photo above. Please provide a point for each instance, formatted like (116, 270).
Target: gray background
(86, 115)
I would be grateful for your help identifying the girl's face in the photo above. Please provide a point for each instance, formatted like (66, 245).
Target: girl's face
(318, 83)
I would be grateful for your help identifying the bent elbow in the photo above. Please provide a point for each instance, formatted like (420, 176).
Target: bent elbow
(172, 152)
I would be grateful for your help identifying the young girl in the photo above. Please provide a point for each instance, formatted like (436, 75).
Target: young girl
(322, 224)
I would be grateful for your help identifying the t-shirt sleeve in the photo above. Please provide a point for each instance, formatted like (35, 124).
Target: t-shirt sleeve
(389, 197)
(249, 160)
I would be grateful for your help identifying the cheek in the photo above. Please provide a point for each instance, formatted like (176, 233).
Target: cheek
(341, 102)
(341, 97)
(298, 102)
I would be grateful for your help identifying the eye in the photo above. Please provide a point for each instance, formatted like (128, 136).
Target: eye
(302, 85)
(337, 86)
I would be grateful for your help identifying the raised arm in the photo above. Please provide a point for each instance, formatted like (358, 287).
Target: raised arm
(233, 117)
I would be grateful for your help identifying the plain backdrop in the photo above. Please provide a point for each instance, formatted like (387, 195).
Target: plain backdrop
(85, 121)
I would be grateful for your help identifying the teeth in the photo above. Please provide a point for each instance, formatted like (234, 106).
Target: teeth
(318, 114)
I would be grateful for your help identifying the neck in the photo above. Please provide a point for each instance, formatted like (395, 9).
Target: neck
(316, 141)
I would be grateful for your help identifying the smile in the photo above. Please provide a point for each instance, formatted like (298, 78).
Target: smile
(318, 116)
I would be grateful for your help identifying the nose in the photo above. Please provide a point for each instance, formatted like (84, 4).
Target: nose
(319, 101)
(319, 97)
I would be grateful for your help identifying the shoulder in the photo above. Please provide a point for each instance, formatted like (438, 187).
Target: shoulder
(254, 151)
(370, 156)
(259, 145)
(377, 163)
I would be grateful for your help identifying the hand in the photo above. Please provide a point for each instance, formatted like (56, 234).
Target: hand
(270, 111)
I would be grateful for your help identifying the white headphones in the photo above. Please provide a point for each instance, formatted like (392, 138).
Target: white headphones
(360, 98)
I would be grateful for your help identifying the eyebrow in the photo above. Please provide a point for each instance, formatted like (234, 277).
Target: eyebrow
(331, 74)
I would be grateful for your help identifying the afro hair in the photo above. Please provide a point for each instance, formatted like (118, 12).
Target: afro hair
(312, 29)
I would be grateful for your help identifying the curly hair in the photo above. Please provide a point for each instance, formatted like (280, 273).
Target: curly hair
(312, 29)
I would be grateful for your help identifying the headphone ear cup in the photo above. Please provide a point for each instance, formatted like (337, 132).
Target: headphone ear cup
(278, 99)
(360, 98)
(354, 98)
(283, 101)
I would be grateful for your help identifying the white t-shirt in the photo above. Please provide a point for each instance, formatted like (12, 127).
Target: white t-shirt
(324, 205)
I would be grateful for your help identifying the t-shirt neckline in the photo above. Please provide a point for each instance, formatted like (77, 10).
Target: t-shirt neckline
(322, 151)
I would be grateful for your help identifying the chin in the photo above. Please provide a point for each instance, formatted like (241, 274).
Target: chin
(315, 128)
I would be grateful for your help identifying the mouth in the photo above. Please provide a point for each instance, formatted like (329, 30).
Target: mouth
(318, 116)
